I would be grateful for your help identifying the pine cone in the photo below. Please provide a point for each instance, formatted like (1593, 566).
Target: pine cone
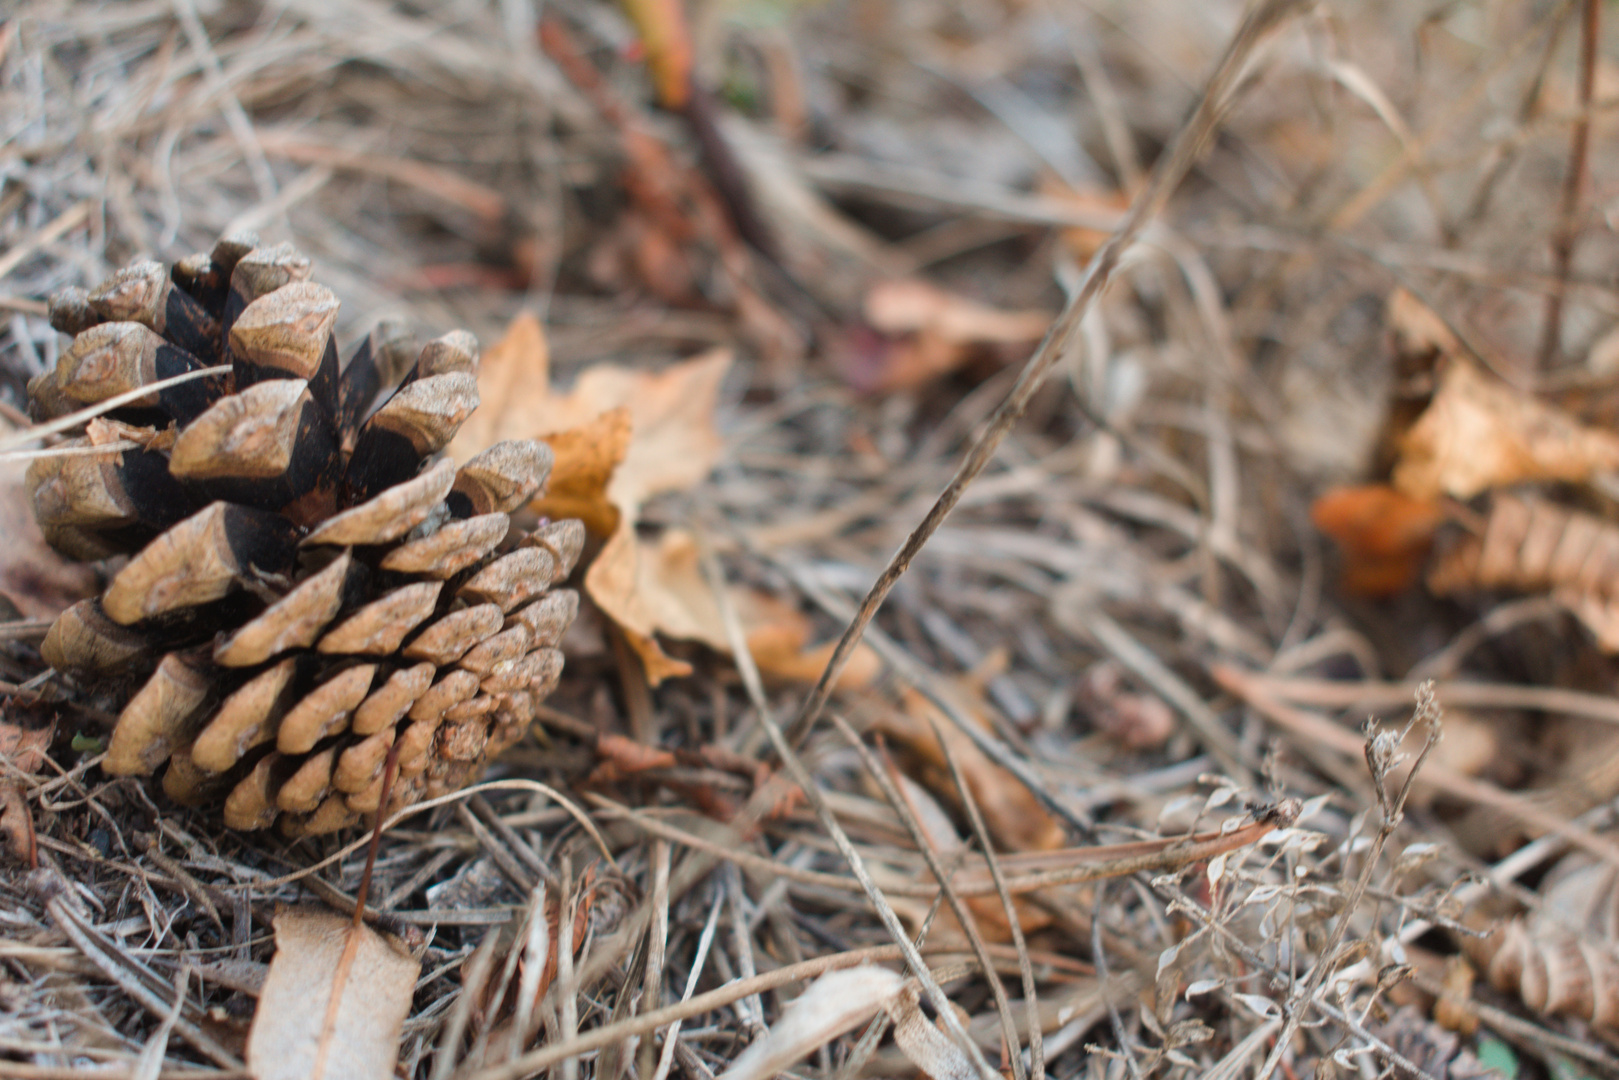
(309, 581)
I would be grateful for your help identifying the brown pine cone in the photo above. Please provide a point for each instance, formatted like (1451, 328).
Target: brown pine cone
(310, 580)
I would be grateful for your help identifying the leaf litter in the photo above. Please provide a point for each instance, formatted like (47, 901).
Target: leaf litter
(760, 330)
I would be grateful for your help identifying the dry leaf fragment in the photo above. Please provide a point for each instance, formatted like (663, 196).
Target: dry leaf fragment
(837, 1002)
(938, 332)
(1010, 810)
(17, 825)
(840, 1001)
(1417, 329)
(25, 747)
(289, 1036)
(1384, 534)
(924, 1041)
(21, 748)
(1478, 433)
(778, 635)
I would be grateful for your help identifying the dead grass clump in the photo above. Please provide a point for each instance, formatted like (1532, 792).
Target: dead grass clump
(1114, 700)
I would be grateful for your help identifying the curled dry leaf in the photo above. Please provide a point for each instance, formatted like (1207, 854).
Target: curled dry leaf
(296, 1035)
(1563, 961)
(619, 437)
(1532, 545)
(1010, 811)
(1384, 535)
(23, 749)
(924, 1041)
(680, 602)
(937, 332)
(1479, 433)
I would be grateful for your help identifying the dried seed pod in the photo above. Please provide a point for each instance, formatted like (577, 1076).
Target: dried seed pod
(416, 423)
(379, 364)
(107, 492)
(83, 641)
(287, 334)
(309, 580)
(203, 558)
(512, 579)
(267, 445)
(160, 716)
(69, 311)
(449, 638)
(549, 617)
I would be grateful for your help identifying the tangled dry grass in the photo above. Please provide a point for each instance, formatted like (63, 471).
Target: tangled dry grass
(1128, 609)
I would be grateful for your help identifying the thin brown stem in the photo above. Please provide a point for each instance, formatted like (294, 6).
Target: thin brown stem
(1574, 183)
(1177, 160)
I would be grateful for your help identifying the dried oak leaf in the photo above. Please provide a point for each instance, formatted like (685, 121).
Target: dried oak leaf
(295, 1032)
(1478, 433)
(681, 602)
(619, 437)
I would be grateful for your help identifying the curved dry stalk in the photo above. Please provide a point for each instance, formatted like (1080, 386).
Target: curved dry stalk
(1176, 161)
(1079, 864)
(1323, 732)
(352, 846)
(1459, 692)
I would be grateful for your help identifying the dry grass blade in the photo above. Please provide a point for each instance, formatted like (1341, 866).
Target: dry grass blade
(101, 408)
(595, 1039)
(964, 918)
(1031, 997)
(806, 782)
